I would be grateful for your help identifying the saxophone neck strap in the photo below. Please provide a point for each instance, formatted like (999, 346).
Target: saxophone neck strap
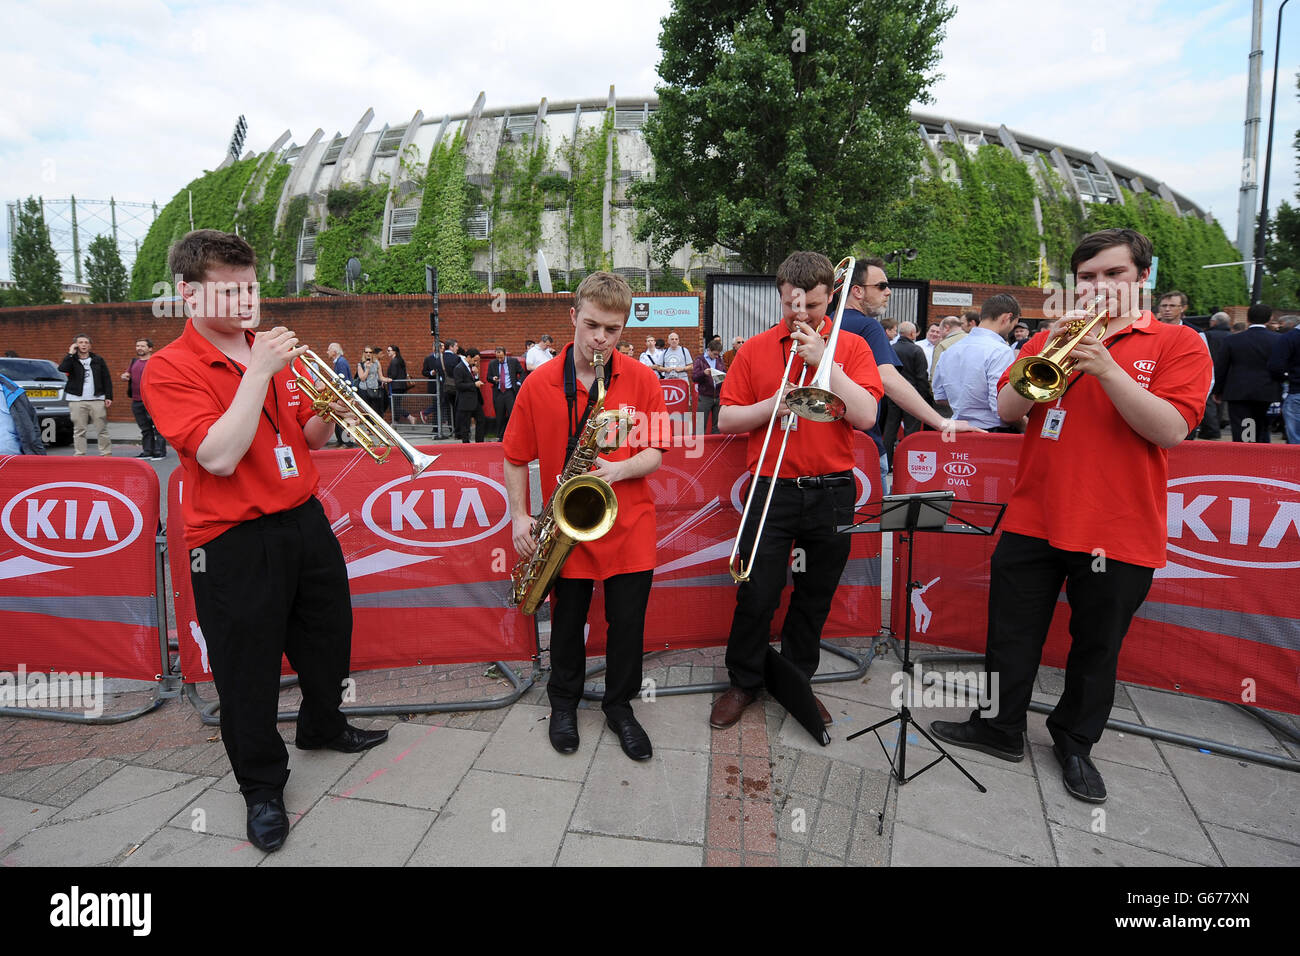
(576, 425)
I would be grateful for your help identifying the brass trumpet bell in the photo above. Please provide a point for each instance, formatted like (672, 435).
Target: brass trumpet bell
(1045, 377)
(325, 388)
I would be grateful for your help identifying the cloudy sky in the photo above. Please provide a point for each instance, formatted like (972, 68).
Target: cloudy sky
(135, 98)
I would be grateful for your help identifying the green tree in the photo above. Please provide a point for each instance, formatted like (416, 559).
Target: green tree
(38, 279)
(105, 272)
(1281, 285)
(785, 125)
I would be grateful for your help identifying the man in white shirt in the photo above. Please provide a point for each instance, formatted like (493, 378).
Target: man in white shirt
(653, 356)
(676, 359)
(967, 378)
(539, 354)
(932, 336)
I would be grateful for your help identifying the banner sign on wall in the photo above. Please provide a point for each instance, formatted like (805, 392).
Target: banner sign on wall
(663, 311)
(1221, 620)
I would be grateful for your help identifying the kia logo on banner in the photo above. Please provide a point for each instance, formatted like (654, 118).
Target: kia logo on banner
(1258, 524)
(674, 391)
(72, 519)
(959, 469)
(440, 509)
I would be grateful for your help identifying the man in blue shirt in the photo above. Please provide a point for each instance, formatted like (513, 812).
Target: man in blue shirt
(967, 378)
(868, 298)
(1284, 365)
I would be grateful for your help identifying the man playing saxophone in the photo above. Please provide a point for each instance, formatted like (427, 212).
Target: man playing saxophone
(546, 425)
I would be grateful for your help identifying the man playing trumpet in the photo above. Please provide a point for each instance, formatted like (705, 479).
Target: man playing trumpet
(267, 572)
(1087, 509)
(815, 489)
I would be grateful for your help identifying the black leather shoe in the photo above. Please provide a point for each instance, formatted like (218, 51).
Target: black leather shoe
(268, 824)
(975, 735)
(631, 737)
(564, 730)
(351, 741)
(1081, 778)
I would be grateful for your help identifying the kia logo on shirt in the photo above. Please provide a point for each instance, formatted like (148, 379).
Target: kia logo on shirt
(440, 509)
(959, 469)
(1241, 521)
(674, 391)
(1145, 365)
(72, 519)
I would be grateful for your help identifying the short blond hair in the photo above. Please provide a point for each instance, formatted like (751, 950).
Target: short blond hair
(606, 290)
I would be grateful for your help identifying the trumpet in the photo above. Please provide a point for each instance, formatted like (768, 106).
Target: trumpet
(325, 388)
(814, 401)
(1044, 377)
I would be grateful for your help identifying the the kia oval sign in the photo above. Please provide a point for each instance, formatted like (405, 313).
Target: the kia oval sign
(440, 509)
(1238, 521)
(72, 519)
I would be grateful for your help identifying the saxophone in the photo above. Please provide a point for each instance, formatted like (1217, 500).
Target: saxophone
(582, 507)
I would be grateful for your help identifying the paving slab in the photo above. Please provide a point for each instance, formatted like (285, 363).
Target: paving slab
(220, 813)
(418, 767)
(71, 781)
(915, 847)
(522, 744)
(660, 799)
(1197, 717)
(500, 819)
(1143, 808)
(20, 817)
(174, 847)
(588, 849)
(679, 722)
(353, 833)
(1131, 749)
(1008, 819)
(1238, 794)
(106, 825)
(1247, 849)
(1083, 848)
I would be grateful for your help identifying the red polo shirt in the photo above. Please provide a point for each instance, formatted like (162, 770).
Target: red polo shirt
(1101, 484)
(539, 429)
(188, 385)
(815, 448)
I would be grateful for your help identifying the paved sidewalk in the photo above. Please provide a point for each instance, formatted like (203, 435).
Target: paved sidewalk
(485, 788)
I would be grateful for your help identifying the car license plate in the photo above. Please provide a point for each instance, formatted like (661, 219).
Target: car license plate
(42, 393)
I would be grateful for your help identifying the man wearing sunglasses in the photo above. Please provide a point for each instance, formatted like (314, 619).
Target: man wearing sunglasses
(868, 299)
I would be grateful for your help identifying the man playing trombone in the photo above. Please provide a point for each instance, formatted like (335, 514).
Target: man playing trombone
(815, 489)
(267, 572)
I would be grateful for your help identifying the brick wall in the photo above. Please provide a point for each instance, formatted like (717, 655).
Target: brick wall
(352, 321)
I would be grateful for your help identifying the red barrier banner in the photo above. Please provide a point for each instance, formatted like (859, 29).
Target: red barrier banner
(699, 494)
(428, 560)
(679, 395)
(77, 566)
(1221, 620)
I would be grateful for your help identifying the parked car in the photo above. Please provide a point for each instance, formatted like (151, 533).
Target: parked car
(44, 385)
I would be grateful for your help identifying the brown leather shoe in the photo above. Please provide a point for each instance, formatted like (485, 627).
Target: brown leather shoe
(821, 709)
(728, 708)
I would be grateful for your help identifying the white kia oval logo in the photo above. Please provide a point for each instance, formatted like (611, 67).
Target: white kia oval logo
(1145, 365)
(72, 519)
(674, 391)
(1222, 522)
(440, 509)
(959, 469)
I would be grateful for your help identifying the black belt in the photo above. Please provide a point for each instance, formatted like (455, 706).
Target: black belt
(837, 480)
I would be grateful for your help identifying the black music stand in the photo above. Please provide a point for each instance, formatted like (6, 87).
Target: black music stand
(908, 514)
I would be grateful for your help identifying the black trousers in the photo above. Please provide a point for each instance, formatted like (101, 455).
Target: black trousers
(503, 404)
(1241, 412)
(626, 596)
(804, 519)
(467, 412)
(274, 585)
(152, 443)
(1026, 575)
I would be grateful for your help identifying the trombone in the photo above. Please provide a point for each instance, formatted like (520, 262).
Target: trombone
(326, 387)
(814, 401)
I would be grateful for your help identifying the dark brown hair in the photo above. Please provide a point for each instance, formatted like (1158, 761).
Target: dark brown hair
(191, 256)
(806, 270)
(1139, 247)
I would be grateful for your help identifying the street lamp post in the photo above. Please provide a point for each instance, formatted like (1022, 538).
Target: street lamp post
(1256, 292)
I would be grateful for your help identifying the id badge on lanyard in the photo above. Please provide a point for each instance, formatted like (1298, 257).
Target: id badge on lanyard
(284, 459)
(1054, 422)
